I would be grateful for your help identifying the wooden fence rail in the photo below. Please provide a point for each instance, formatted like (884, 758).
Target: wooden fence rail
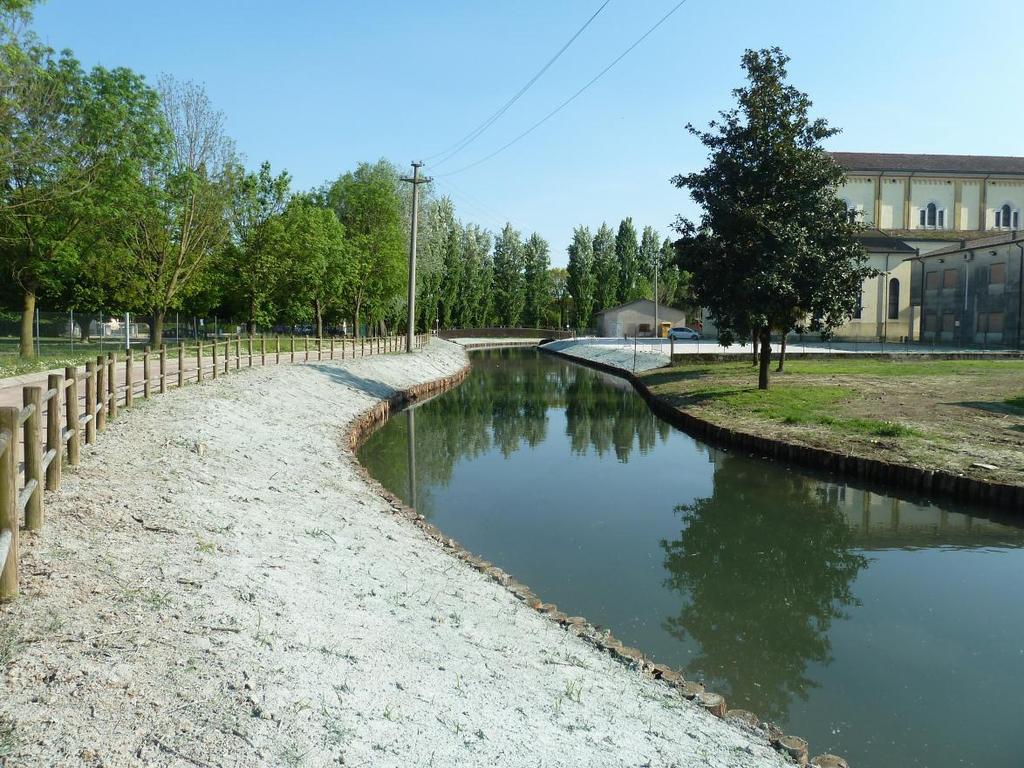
(36, 462)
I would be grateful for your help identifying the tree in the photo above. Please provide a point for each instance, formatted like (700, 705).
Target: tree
(70, 146)
(774, 246)
(448, 240)
(581, 280)
(429, 265)
(368, 205)
(627, 256)
(477, 272)
(509, 282)
(606, 269)
(650, 258)
(316, 268)
(537, 286)
(253, 252)
(670, 278)
(179, 216)
(558, 284)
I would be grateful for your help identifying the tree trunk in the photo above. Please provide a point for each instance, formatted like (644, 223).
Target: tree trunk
(319, 318)
(156, 330)
(28, 314)
(782, 353)
(83, 335)
(753, 347)
(356, 330)
(766, 357)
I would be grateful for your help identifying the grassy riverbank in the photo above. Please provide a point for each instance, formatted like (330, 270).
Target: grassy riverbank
(940, 414)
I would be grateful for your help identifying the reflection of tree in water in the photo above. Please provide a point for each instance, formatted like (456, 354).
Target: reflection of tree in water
(767, 565)
(609, 417)
(503, 404)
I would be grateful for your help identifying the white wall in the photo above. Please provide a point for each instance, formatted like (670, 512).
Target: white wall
(942, 192)
(859, 192)
(891, 213)
(1000, 192)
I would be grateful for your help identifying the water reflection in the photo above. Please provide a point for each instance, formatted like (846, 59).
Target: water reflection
(765, 565)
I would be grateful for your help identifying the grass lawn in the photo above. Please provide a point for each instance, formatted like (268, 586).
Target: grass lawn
(941, 414)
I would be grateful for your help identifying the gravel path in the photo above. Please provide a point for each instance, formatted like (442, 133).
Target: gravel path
(218, 586)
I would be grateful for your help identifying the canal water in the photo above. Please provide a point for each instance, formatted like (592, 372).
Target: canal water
(882, 627)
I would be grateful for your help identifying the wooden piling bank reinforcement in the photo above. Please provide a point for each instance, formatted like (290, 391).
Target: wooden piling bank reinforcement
(933, 482)
(792, 747)
(35, 462)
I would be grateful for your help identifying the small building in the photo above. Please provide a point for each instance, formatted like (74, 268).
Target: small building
(884, 311)
(969, 294)
(635, 318)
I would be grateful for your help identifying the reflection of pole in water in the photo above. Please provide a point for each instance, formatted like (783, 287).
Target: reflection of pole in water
(410, 416)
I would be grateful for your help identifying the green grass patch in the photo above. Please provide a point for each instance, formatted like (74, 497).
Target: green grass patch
(1015, 402)
(896, 368)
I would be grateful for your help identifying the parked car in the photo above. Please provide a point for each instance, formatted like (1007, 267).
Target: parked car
(678, 334)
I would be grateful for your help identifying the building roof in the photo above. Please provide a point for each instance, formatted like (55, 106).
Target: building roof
(876, 162)
(877, 241)
(648, 302)
(1002, 238)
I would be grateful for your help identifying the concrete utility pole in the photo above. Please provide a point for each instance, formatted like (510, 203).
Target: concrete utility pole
(415, 181)
(657, 325)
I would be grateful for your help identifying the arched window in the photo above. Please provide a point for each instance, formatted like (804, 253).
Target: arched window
(1007, 217)
(852, 214)
(932, 217)
(894, 299)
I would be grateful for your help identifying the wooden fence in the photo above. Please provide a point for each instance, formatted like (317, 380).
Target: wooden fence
(73, 414)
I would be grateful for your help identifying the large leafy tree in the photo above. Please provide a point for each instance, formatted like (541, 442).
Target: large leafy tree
(627, 257)
(606, 269)
(178, 219)
(650, 257)
(537, 262)
(581, 279)
(509, 282)
(559, 298)
(429, 264)
(774, 247)
(71, 143)
(315, 263)
(448, 241)
(369, 206)
(252, 257)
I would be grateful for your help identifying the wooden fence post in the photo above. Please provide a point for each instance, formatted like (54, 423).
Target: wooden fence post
(31, 438)
(227, 356)
(8, 499)
(181, 365)
(199, 360)
(146, 373)
(101, 393)
(263, 349)
(238, 352)
(249, 347)
(213, 349)
(305, 346)
(71, 413)
(111, 386)
(163, 369)
(362, 347)
(277, 344)
(54, 382)
(293, 348)
(319, 348)
(90, 402)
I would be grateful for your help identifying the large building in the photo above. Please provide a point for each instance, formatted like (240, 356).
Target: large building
(931, 201)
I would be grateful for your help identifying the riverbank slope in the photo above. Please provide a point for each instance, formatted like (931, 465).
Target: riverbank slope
(217, 585)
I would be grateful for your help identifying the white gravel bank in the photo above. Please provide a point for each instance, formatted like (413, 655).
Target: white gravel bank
(217, 586)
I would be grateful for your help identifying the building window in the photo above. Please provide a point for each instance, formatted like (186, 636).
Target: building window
(995, 322)
(931, 281)
(929, 322)
(853, 213)
(997, 274)
(894, 299)
(859, 309)
(1007, 217)
(932, 217)
(949, 278)
(948, 322)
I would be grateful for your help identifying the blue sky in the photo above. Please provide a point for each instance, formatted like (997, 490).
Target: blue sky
(316, 87)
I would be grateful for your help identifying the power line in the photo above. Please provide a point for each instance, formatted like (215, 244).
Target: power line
(572, 98)
(476, 132)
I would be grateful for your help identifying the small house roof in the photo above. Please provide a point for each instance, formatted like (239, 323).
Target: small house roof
(1003, 238)
(877, 241)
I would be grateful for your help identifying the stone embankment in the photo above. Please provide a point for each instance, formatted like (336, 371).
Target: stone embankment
(218, 584)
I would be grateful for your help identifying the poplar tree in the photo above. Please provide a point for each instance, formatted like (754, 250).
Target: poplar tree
(537, 262)
(627, 255)
(774, 247)
(606, 269)
(581, 280)
(509, 281)
(473, 304)
(650, 257)
(448, 238)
